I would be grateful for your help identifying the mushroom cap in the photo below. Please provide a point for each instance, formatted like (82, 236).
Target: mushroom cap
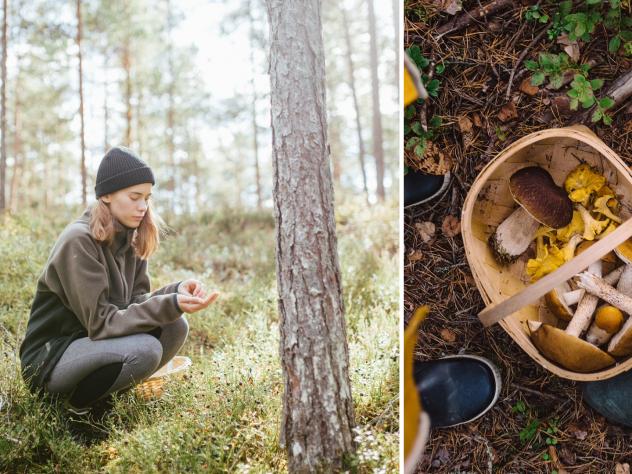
(570, 352)
(555, 302)
(534, 189)
(624, 251)
(609, 318)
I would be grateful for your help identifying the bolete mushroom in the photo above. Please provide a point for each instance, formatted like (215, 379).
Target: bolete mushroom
(608, 320)
(556, 302)
(541, 202)
(565, 346)
(621, 342)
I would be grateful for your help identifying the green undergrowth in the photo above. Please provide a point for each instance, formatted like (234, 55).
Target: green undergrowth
(224, 416)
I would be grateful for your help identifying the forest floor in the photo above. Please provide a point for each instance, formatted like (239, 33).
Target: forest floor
(225, 415)
(480, 78)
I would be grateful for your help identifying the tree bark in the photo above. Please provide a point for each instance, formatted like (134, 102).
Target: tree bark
(17, 144)
(255, 144)
(128, 90)
(171, 147)
(398, 44)
(354, 95)
(318, 414)
(378, 149)
(3, 106)
(84, 179)
(106, 109)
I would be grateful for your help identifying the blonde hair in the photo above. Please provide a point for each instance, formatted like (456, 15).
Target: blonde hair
(146, 238)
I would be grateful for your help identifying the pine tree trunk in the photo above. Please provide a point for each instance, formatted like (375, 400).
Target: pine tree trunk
(378, 150)
(17, 145)
(106, 109)
(318, 415)
(171, 148)
(3, 107)
(398, 44)
(255, 143)
(128, 91)
(354, 95)
(84, 178)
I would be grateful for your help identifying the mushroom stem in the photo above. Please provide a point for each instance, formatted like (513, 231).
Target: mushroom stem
(573, 297)
(513, 236)
(600, 289)
(588, 303)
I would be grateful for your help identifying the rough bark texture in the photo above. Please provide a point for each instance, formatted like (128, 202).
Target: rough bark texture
(84, 179)
(356, 107)
(3, 106)
(378, 149)
(318, 415)
(127, 67)
(255, 128)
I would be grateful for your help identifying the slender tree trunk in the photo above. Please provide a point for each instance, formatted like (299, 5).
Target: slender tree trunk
(171, 147)
(84, 178)
(140, 124)
(378, 150)
(128, 90)
(3, 106)
(354, 95)
(255, 144)
(398, 45)
(17, 144)
(106, 109)
(318, 415)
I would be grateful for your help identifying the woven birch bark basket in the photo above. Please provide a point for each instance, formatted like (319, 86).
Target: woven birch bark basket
(506, 290)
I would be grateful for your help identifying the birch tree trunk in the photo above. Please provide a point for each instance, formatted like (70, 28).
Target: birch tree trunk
(318, 414)
(3, 107)
(84, 185)
(378, 150)
(17, 143)
(127, 66)
(354, 95)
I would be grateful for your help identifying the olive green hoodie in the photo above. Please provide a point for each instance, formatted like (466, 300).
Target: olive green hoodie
(90, 289)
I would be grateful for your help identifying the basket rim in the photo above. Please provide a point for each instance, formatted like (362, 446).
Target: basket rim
(184, 366)
(584, 135)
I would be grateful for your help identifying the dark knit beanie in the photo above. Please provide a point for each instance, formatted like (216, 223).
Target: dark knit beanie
(119, 169)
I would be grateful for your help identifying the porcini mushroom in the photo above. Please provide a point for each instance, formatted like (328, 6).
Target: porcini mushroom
(565, 346)
(541, 202)
(556, 302)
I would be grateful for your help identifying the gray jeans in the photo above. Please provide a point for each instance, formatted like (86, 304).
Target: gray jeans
(140, 355)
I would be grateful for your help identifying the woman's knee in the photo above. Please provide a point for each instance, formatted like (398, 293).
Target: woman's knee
(144, 357)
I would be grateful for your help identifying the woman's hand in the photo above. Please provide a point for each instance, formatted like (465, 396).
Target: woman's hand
(192, 304)
(191, 287)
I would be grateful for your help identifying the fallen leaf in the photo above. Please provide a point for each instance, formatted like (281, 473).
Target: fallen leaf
(451, 7)
(451, 226)
(477, 120)
(447, 335)
(622, 468)
(528, 88)
(415, 255)
(426, 230)
(508, 112)
(577, 432)
(562, 104)
(465, 124)
(570, 47)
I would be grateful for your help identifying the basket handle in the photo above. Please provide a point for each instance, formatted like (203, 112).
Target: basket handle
(496, 312)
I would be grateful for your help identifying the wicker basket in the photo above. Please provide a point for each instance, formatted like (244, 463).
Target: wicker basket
(153, 387)
(509, 297)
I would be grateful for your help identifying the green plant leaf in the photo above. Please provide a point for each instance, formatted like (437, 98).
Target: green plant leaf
(418, 129)
(606, 103)
(410, 112)
(593, 2)
(544, 18)
(440, 68)
(607, 119)
(435, 121)
(588, 102)
(412, 142)
(614, 44)
(574, 102)
(406, 128)
(420, 149)
(596, 84)
(531, 65)
(626, 35)
(537, 79)
(556, 80)
(433, 87)
(572, 93)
